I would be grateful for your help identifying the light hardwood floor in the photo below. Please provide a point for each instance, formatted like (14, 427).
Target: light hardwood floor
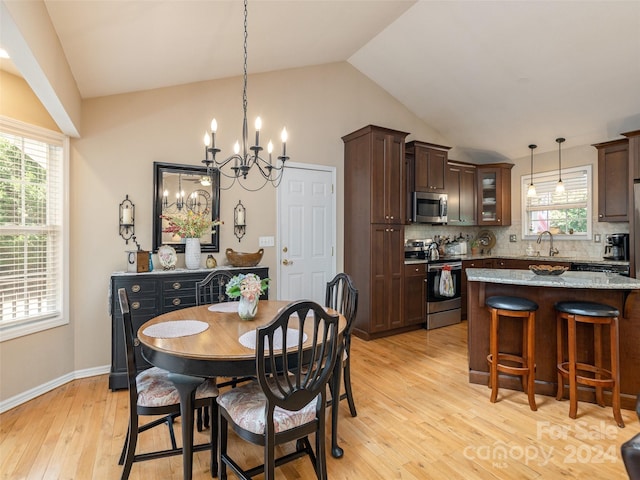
(418, 418)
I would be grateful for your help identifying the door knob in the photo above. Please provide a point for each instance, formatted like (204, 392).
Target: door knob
(287, 262)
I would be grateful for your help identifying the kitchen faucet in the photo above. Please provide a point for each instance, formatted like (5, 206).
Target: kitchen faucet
(552, 251)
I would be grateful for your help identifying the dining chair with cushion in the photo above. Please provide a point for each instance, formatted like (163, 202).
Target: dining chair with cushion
(287, 402)
(151, 392)
(342, 296)
(213, 288)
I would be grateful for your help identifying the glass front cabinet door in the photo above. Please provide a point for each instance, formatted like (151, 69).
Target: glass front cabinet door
(494, 194)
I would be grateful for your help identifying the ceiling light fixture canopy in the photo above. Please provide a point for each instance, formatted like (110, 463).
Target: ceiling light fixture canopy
(238, 165)
(560, 185)
(531, 191)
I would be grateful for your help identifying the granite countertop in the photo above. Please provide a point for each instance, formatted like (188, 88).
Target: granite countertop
(532, 258)
(566, 280)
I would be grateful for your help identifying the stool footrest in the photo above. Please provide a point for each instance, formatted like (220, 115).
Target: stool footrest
(510, 369)
(607, 382)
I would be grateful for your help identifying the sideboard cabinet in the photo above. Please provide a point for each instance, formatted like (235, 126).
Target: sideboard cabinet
(152, 294)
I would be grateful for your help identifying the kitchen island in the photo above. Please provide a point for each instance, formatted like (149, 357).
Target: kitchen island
(618, 291)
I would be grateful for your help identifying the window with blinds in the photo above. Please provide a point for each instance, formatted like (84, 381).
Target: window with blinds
(31, 228)
(565, 215)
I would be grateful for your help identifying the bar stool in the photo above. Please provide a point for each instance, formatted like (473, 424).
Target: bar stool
(596, 314)
(514, 307)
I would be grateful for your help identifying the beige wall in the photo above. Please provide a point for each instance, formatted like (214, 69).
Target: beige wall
(123, 135)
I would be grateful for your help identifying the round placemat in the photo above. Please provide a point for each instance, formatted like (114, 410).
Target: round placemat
(175, 328)
(248, 339)
(224, 307)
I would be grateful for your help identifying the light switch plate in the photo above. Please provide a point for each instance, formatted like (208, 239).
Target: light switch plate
(597, 238)
(266, 241)
(513, 238)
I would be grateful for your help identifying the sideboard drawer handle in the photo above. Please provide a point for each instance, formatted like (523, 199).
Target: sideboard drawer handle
(177, 286)
(135, 288)
(176, 301)
(135, 305)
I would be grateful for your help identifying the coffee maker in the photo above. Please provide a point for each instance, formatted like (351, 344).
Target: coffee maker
(617, 247)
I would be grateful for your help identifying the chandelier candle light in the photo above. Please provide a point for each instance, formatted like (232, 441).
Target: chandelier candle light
(239, 164)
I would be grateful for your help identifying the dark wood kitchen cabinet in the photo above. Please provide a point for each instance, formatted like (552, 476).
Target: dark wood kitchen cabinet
(613, 181)
(478, 263)
(494, 194)
(427, 167)
(152, 294)
(415, 291)
(462, 189)
(374, 209)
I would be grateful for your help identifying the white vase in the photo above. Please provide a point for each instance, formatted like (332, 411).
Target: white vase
(247, 309)
(192, 253)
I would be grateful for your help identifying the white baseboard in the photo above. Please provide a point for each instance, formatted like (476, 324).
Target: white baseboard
(23, 397)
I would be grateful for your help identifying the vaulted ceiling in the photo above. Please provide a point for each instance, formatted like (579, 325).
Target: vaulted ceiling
(490, 76)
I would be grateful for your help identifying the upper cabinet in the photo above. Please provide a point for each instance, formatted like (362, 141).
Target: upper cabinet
(613, 178)
(494, 194)
(427, 167)
(461, 185)
(376, 188)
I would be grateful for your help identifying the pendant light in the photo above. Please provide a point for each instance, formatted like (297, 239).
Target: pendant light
(531, 191)
(560, 185)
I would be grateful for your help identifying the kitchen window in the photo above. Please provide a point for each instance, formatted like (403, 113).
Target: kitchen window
(33, 232)
(567, 215)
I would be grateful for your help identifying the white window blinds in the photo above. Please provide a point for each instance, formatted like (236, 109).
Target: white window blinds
(567, 213)
(31, 224)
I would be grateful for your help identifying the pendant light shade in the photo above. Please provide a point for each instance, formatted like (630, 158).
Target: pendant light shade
(560, 185)
(531, 191)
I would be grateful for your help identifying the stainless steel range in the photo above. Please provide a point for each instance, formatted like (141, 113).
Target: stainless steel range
(444, 277)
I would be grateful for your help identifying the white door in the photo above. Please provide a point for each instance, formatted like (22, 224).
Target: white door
(306, 232)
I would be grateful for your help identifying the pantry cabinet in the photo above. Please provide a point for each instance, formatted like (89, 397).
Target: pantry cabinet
(374, 214)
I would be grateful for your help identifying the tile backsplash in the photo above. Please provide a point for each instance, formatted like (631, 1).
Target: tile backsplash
(580, 249)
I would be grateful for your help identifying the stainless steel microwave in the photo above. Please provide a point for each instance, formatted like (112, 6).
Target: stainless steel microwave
(429, 207)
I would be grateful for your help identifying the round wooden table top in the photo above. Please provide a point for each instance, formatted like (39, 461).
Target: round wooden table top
(220, 341)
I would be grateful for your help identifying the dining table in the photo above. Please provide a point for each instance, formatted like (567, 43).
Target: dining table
(211, 341)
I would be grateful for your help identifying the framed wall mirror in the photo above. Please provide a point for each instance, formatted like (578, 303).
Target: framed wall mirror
(183, 188)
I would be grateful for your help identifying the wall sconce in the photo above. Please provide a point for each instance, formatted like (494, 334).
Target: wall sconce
(127, 219)
(239, 220)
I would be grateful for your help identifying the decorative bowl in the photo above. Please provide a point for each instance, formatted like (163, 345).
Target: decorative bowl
(548, 269)
(242, 259)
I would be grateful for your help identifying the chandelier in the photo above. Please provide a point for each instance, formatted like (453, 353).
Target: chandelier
(238, 165)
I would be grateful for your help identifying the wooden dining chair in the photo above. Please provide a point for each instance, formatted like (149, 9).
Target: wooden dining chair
(288, 401)
(152, 393)
(342, 296)
(213, 288)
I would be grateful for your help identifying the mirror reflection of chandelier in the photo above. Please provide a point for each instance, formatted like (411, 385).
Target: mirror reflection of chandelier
(197, 201)
(238, 165)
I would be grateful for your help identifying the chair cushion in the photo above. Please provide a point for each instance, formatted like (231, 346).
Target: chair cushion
(246, 405)
(156, 390)
(588, 309)
(517, 304)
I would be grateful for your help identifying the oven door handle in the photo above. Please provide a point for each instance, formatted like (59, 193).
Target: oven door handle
(439, 267)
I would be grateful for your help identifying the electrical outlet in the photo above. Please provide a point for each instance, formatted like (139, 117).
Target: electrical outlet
(597, 238)
(513, 238)
(266, 241)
